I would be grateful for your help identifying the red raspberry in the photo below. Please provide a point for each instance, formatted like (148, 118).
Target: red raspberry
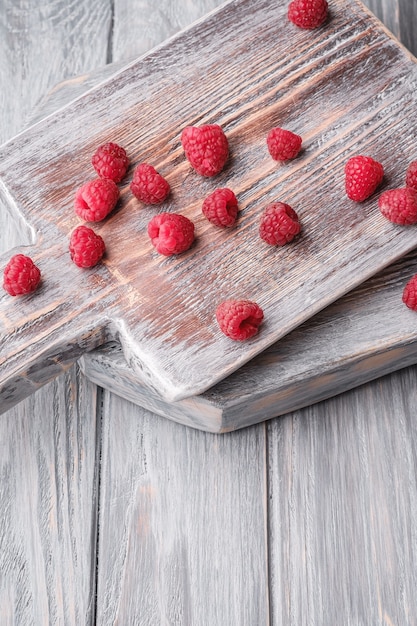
(410, 293)
(21, 275)
(283, 144)
(86, 247)
(362, 176)
(171, 233)
(279, 224)
(110, 161)
(308, 13)
(411, 175)
(206, 147)
(148, 186)
(96, 199)
(239, 319)
(399, 205)
(220, 207)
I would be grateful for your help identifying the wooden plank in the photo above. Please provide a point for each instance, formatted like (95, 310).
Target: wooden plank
(343, 505)
(182, 536)
(362, 336)
(158, 355)
(48, 504)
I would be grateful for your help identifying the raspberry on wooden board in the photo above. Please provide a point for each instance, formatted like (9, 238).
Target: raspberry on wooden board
(283, 144)
(206, 148)
(86, 247)
(399, 205)
(411, 175)
(221, 207)
(239, 319)
(110, 161)
(21, 276)
(308, 14)
(409, 296)
(279, 224)
(171, 233)
(96, 199)
(148, 185)
(362, 176)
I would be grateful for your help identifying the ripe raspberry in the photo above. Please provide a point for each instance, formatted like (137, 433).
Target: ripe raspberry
(110, 161)
(86, 247)
(21, 275)
(148, 186)
(410, 293)
(239, 319)
(171, 233)
(220, 207)
(362, 176)
(308, 13)
(399, 205)
(96, 199)
(206, 147)
(279, 224)
(283, 144)
(411, 175)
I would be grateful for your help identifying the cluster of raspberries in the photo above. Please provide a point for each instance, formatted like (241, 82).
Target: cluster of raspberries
(207, 150)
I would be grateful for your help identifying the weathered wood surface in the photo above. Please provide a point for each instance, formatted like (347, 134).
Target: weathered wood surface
(340, 494)
(170, 337)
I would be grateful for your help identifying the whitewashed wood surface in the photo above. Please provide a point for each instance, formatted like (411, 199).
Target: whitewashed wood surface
(317, 508)
(345, 87)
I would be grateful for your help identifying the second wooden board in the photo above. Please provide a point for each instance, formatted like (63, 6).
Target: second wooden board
(347, 88)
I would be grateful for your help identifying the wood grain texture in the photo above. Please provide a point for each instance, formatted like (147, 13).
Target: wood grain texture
(48, 505)
(343, 496)
(189, 334)
(178, 543)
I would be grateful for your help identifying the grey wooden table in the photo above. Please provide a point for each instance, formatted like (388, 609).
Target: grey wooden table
(110, 514)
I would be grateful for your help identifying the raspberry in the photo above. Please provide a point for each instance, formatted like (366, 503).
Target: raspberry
(308, 13)
(239, 319)
(283, 144)
(279, 224)
(21, 275)
(220, 207)
(110, 161)
(411, 175)
(399, 205)
(86, 247)
(206, 147)
(171, 233)
(410, 293)
(362, 176)
(148, 186)
(96, 199)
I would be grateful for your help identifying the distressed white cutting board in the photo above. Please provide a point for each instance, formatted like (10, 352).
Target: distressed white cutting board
(346, 88)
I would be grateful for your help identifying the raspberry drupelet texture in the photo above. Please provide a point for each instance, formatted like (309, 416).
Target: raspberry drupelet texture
(410, 293)
(308, 14)
(21, 275)
(148, 185)
(221, 207)
(362, 176)
(283, 144)
(206, 147)
(86, 247)
(399, 205)
(239, 319)
(411, 175)
(110, 161)
(171, 233)
(279, 224)
(96, 199)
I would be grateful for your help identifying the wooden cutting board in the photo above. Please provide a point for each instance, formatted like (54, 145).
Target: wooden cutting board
(346, 88)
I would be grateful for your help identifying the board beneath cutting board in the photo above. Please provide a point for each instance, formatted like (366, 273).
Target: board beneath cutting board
(346, 88)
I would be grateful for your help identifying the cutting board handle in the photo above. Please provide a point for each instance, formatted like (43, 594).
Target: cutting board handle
(43, 333)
